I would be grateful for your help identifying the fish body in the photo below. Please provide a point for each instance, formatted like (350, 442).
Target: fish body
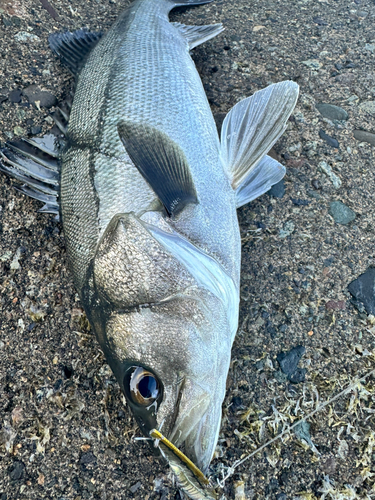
(148, 198)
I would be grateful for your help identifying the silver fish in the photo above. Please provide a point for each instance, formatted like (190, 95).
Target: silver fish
(148, 201)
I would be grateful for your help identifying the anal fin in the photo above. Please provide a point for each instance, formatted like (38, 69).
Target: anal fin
(259, 180)
(161, 162)
(195, 35)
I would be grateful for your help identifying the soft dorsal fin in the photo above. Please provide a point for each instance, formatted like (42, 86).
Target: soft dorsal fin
(195, 35)
(72, 48)
(161, 162)
(253, 125)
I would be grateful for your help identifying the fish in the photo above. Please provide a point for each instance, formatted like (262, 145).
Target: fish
(148, 193)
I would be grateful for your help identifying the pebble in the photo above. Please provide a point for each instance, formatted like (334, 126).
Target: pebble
(288, 362)
(341, 213)
(363, 136)
(35, 94)
(277, 190)
(336, 305)
(369, 107)
(15, 96)
(299, 203)
(17, 471)
(327, 169)
(316, 184)
(363, 288)
(328, 139)
(18, 131)
(287, 230)
(135, 487)
(313, 64)
(332, 112)
(36, 129)
(24, 36)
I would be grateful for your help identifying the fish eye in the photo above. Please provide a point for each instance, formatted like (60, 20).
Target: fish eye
(141, 386)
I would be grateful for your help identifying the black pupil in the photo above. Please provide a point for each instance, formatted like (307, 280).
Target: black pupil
(148, 388)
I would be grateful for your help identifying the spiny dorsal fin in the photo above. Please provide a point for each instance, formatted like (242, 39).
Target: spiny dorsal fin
(161, 162)
(195, 35)
(72, 48)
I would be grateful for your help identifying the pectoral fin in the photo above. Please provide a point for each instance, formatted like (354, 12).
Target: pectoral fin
(259, 180)
(253, 125)
(162, 163)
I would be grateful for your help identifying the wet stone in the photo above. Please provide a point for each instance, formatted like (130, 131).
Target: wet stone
(328, 139)
(34, 94)
(15, 96)
(341, 213)
(363, 290)
(277, 190)
(363, 136)
(332, 112)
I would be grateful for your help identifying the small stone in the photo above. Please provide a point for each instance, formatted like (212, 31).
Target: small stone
(363, 290)
(258, 28)
(341, 213)
(299, 203)
(316, 184)
(370, 47)
(87, 458)
(328, 139)
(24, 36)
(35, 94)
(336, 305)
(363, 136)
(287, 229)
(15, 96)
(135, 487)
(18, 131)
(17, 471)
(369, 107)
(327, 169)
(288, 362)
(332, 112)
(313, 64)
(278, 189)
(36, 129)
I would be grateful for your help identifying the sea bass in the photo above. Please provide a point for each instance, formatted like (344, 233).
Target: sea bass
(148, 197)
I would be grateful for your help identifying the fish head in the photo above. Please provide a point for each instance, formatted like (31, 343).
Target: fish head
(171, 362)
(160, 314)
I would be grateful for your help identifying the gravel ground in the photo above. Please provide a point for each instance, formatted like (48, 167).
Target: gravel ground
(65, 430)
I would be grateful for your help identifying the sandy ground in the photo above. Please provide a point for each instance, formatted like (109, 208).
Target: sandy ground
(65, 432)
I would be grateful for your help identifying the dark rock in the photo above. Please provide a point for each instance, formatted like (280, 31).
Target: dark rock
(35, 94)
(15, 96)
(281, 496)
(283, 328)
(236, 402)
(277, 190)
(316, 184)
(332, 112)
(328, 262)
(336, 305)
(17, 471)
(35, 130)
(298, 376)
(363, 290)
(288, 362)
(328, 139)
(88, 458)
(341, 213)
(272, 486)
(320, 21)
(363, 136)
(299, 203)
(135, 487)
(339, 66)
(350, 65)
